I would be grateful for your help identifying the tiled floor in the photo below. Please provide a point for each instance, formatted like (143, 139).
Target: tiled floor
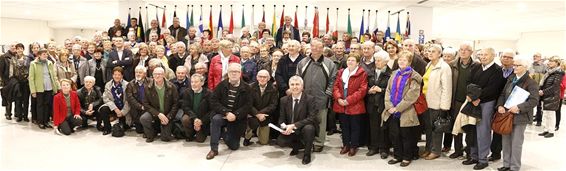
(24, 146)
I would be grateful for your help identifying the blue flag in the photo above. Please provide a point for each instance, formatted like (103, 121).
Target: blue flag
(388, 31)
(220, 27)
(362, 28)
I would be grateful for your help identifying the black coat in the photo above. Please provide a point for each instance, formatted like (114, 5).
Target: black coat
(94, 98)
(132, 94)
(182, 33)
(5, 67)
(266, 103)
(204, 106)
(307, 113)
(175, 60)
(551, 90)
(242, 104)
(378, 99)
(285, 70)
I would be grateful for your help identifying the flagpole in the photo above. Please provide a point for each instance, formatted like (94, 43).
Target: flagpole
(335, 32)
(306, 8)
(252, 28)
(327, 26)
(369, 21)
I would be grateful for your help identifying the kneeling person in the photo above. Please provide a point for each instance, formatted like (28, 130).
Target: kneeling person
(160, 102)
(196, 117)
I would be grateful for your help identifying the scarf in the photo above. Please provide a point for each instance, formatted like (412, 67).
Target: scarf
(398, 86)
(117, 94)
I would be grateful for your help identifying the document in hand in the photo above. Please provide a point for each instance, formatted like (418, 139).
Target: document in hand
(518, 96)
(276, 128)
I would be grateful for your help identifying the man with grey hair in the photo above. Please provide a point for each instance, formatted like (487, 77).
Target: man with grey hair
(135, 94)
(177, 31)
(287, 67)
(160, 102)
(265, 99)
(489, 77)
(461, 70)
(537, 71)
(299, 118)
(287, 27)
(366, 62)
(7, 71)
(196, 110)
(78, 61)
(339, 56)
(319, 74)
(178, 58)
(231, 105)
(418, 63)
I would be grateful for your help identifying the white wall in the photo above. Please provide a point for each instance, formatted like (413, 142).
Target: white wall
(24, 31)
(61, 34)
(548, 43)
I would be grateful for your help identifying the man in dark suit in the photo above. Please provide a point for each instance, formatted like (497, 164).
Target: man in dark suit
(299, 114)
(231, 103)
(120, 57)
(177, 31)
(287, 26)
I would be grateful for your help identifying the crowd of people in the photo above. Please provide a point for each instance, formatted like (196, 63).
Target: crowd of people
(383, 94)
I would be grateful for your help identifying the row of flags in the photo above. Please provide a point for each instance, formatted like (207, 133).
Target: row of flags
(397, 35)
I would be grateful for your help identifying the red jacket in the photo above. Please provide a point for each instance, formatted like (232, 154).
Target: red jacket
(562, 87)
(357, 89)
(215, 70)
(60, 107)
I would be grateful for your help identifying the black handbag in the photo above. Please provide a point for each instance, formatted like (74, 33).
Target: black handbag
(443, 123)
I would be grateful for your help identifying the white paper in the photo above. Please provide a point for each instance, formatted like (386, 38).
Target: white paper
(277, 128)
(517, 96)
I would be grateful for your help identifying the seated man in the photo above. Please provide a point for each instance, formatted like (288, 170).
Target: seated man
(231, 105)
(298, 113)
(160, 103)
(196, 117)
(264, 97)
(90, 98)
(135, 92)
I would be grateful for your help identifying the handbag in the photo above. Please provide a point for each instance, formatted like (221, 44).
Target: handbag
(421, 105)
(502, 123)
(443, 122)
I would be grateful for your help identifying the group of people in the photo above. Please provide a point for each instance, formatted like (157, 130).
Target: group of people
(180, 85)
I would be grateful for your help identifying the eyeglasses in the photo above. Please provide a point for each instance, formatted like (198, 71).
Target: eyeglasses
(507, 57)
(515, 65)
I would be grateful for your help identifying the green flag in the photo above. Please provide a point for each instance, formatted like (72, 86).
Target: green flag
(349, 23)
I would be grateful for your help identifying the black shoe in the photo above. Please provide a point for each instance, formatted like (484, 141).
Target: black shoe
(41, 126)
(306, 159)
(494, 158)
(557, 128)
(317, 149)
(371, 152)
(148, 140)
(455, 155)
(383, 155)
(18, 119)
(480, 166)
(469, 161)
(8, 117)
(99, 128)
(538, 124)
(405, 163)
(26, 119)
(294, 152)
(247, 142)
(106, 132)
(393, 161)
(543, 133)
(549, 135)
(503, 169)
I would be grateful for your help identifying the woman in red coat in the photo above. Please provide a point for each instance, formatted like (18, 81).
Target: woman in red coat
(349, 91)
(219, 64)
(66, 109)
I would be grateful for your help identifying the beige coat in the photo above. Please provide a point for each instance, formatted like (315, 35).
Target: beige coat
(463, 120)
(410, 94)
(439, 86)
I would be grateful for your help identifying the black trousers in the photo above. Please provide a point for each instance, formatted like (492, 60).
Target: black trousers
(496, 145)
(191, 133)
(94, 115)
(403, 138)
(231, 134)
(43, 106)
(538, 115)
(471, 140)
(66, 127)
(33, 108)
(458, 139)
(105, 113)
(379, 135)
(558, 113)
(351, 129)
(136, 114)
(304, 136)
(22, 102)
(331, 120)
(149, 122)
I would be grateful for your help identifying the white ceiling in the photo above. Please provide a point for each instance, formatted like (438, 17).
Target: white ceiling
(466, 19)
